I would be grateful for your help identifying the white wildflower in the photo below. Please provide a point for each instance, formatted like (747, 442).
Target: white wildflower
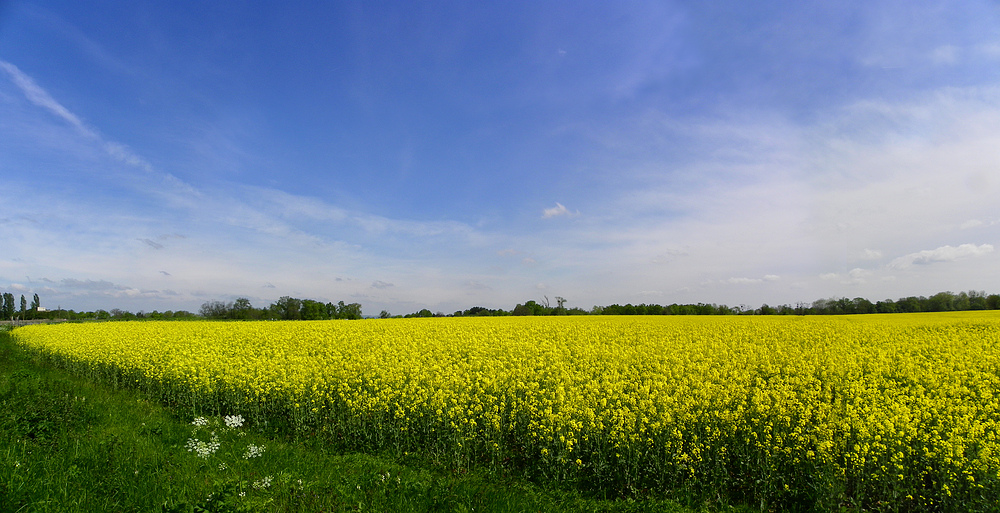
(253, 451)
(201, 448)
(263, 483)
(234, 421)
(200, 421)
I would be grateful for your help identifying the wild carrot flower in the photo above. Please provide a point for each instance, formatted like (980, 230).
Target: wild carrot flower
(201, 448)
(233, 421)
(253, 451)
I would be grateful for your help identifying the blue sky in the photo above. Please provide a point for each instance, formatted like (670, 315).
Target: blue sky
(443, 155)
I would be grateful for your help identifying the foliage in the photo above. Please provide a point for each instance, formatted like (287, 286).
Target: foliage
(285, 308)
(70, 445)
(884, 413)
(940, 302)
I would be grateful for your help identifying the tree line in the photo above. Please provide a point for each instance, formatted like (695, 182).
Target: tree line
(9, 309)
(33, 311)
(285, 308)
(940, 302)
(289, 308)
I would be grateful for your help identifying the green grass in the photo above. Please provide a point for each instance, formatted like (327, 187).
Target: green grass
(67, 445)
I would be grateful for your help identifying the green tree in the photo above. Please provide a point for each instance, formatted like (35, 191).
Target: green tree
(287, 308)
(977, 300)
(350, 311)
(941, 302)
(520, 310)
(962, 302)
(887, 306)
(214, 310)
(862, 306)
(313, 310)
(24, 306)
(242, 309)
(7, 308)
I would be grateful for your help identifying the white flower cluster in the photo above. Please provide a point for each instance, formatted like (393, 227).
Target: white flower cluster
(233, 421)
(263, 483)
(200, 421)
(201, 448)
(253, 451)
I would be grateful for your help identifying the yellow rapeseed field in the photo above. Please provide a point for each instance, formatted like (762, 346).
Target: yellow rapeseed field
(892, 412)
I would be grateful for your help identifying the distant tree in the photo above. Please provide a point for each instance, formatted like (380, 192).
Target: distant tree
(351, 311)
(977, 300)
(887, 306)
(121, 315)
(522, 310)
(241, 309)
(286, 308)
(314, 310)
(862, 306)
(910, 304)
(215, 310)
(941, 302)
(24, 306)
(8, 308)
(962, 302)
(384, 314)
(785, 310)
(35, 304)
(993, 302)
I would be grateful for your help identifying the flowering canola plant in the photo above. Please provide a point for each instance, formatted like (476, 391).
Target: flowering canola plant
(886, 412)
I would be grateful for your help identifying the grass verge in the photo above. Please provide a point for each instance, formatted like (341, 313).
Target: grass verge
(70, 445)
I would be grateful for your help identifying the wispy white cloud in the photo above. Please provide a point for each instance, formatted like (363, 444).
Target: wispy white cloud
(941, 254)
(41, 98)
(558, 210)
(162, 184)
(90, 284)
(871, 254)
(753, 281)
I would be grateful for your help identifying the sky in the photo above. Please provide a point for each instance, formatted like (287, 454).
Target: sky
(155, 155)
